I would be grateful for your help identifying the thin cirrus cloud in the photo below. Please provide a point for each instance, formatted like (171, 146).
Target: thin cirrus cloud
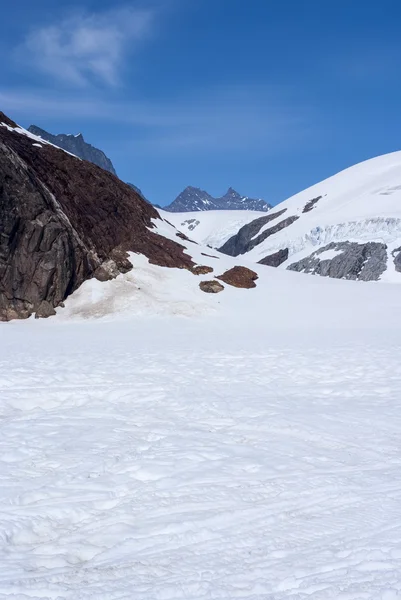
(87, 48)
(230, 119)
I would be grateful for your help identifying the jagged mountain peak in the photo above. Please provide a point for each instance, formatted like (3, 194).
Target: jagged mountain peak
(195, 199)
(232, 193)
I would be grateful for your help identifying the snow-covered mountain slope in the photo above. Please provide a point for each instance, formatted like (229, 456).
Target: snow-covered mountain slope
(213, 227)
(194, 199)
(356, 214)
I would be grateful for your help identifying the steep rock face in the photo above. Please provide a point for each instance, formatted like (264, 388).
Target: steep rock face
(346, 260)
(246, 240)
(60, 220)
(42, 258)
(76, 145)
(195, 199)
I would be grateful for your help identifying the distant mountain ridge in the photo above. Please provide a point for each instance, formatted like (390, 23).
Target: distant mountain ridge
(194, 199)
(191, 199)
(76, 145)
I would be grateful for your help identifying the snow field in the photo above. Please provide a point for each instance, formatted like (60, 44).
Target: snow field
(175, 458)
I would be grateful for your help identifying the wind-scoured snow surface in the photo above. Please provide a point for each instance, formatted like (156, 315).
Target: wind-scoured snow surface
(191, 446)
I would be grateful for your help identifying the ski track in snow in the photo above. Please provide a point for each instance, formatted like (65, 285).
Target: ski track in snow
(179, 464)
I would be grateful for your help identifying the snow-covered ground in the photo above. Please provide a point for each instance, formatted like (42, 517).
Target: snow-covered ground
(360, 204)
(211, 227)
(249, 450)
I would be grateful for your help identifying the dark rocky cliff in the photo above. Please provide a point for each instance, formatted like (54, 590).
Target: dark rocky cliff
(62, 221)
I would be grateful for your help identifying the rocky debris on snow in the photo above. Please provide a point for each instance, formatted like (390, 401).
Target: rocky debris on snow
(191, 224)
(275, 259)
(311, 204)
(210, 255)
(121, 259)
(364, 262)
(211, 287)
(397, 259)
(185, 237)
(195, 199)
(44, 310)
(240, 277)
(61, 219)
(245, 239)
(107, 271)
(201, 270)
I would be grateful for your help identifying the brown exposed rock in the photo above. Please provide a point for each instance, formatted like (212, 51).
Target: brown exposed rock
(201, 270)
(210, 255)
(211, 287)
(275, 259)
(61, 218)
(240, 277)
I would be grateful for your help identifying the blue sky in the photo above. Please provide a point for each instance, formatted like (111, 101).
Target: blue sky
(266, 96)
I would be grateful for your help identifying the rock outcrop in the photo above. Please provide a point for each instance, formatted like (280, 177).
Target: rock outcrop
(346, 260)
(310, 205)
(246, 239)
(64, 220)
(240, 277)
(276, 259)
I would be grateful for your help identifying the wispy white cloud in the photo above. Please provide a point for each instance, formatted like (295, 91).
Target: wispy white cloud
(230, 119)
(87, 47)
